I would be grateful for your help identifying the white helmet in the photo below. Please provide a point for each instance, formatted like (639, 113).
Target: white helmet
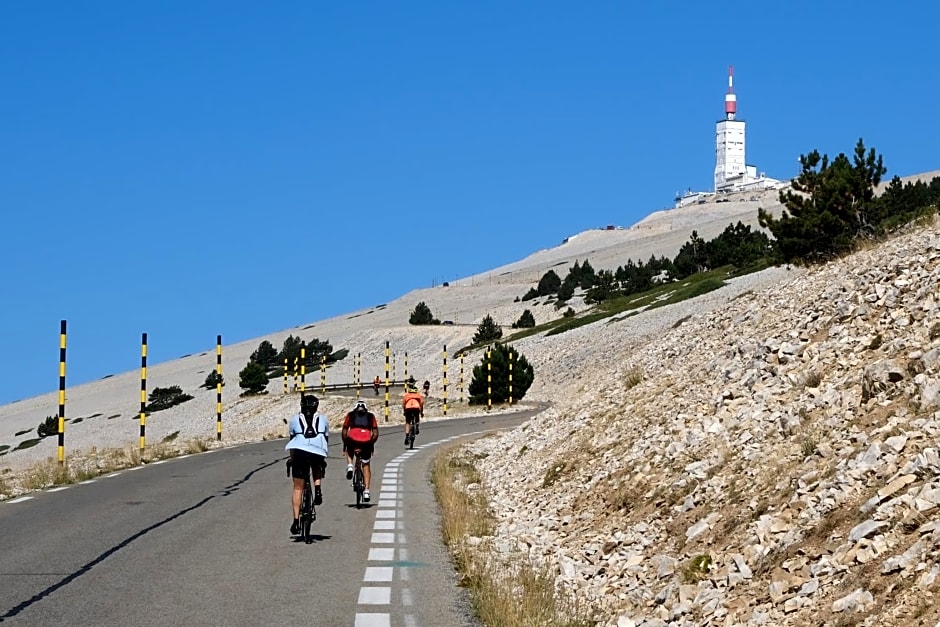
(360, 406)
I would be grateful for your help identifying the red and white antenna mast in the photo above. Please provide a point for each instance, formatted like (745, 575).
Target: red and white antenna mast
(731, 100)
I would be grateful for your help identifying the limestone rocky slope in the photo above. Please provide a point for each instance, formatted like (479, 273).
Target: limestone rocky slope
(770, 461)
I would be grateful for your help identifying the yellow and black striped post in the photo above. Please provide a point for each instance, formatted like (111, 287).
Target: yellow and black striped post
(296, 371)
(303, 368)
(406, 366)
(285, 375)
(460, 380)
(357, 376)
(510, 376)
(61, 426)
(386, 380)
(143, 390)
(489, 379)
(322, 375)
(445, 379)
(394, 365)
(218, 388)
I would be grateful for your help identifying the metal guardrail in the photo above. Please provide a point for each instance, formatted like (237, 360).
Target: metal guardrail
(332, 387)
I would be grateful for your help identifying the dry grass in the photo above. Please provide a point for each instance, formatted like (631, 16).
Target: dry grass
(633, 377)
(94, 463)
(511, 593)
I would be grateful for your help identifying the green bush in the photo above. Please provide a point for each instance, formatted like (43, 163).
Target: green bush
(164, 398)
(525, 321)
(48, 427)
(487, 331)
(265, 354)
(422, 315)
(253, 378)
(213, 379)
(522, 376)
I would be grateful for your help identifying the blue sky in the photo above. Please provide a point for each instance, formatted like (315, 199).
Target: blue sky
(162, 163)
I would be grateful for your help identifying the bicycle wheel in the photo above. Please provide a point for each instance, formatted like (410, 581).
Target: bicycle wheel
(359, 486)
(306, 514)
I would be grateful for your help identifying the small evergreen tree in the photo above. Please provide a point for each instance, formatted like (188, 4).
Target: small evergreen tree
(830, 206)
(422, 315)
(522, 376)
(548, 284)
(586, 279)
(265, 355)
(212, 379)
(487, 331)
(253, 378)
(525, 321)
(48, 427)
(164, 398)
(566, 289)
(290, 351)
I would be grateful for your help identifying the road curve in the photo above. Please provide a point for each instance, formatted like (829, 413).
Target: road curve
(204, 540)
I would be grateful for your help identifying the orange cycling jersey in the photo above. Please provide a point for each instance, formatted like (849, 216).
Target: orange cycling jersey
(413, 400)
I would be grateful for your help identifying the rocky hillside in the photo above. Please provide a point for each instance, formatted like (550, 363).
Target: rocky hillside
(769, 461)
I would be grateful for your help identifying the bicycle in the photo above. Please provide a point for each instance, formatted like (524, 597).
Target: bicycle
(412, 433)
(359, 482)
(308, 513)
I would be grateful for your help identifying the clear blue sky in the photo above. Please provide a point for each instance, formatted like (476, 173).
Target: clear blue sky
(194, 168)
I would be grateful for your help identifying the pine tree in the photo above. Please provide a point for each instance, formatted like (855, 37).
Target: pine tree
(265, 355)
(525, 321)
(830, 206)
(253, 378)
(487, 331)
(498, 372)
(422, 315)
(548, 284)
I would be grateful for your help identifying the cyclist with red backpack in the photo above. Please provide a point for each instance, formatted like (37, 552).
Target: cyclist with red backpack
(360, 431)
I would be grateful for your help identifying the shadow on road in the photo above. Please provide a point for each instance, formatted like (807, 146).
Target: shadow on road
(226, 491)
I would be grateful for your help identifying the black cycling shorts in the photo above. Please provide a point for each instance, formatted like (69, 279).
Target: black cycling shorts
(301, 463)
(412, 415)
(365, 450)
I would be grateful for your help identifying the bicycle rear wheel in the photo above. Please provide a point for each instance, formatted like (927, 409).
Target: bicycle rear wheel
(359, 484)
(306, 514)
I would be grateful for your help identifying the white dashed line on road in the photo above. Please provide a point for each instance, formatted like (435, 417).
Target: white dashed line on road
(388, 529)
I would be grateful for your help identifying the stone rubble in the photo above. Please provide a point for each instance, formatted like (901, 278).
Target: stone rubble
(788, 432)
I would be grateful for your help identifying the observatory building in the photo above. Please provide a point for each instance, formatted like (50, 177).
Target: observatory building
(732, 174)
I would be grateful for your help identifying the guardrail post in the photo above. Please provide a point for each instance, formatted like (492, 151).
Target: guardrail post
(218, 387)
(143, 390)
(61, 417)
(386, 380)
(445, 380)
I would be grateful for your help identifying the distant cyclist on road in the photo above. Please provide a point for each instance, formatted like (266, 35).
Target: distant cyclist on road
(375, 385)
(360, 431)
(413, 405)
(427, 387)
(308, 443)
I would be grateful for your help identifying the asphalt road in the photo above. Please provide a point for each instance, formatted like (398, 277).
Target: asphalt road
(204, 540)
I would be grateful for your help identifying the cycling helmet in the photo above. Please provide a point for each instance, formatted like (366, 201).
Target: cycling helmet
(360, 406)
(309, 403)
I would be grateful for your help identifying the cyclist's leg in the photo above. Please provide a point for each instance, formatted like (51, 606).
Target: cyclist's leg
(299, 468)
(348, 454)
(367, 466)
(317, 469)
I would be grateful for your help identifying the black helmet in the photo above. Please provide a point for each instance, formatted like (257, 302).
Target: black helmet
(360, 407)
(309, 403)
